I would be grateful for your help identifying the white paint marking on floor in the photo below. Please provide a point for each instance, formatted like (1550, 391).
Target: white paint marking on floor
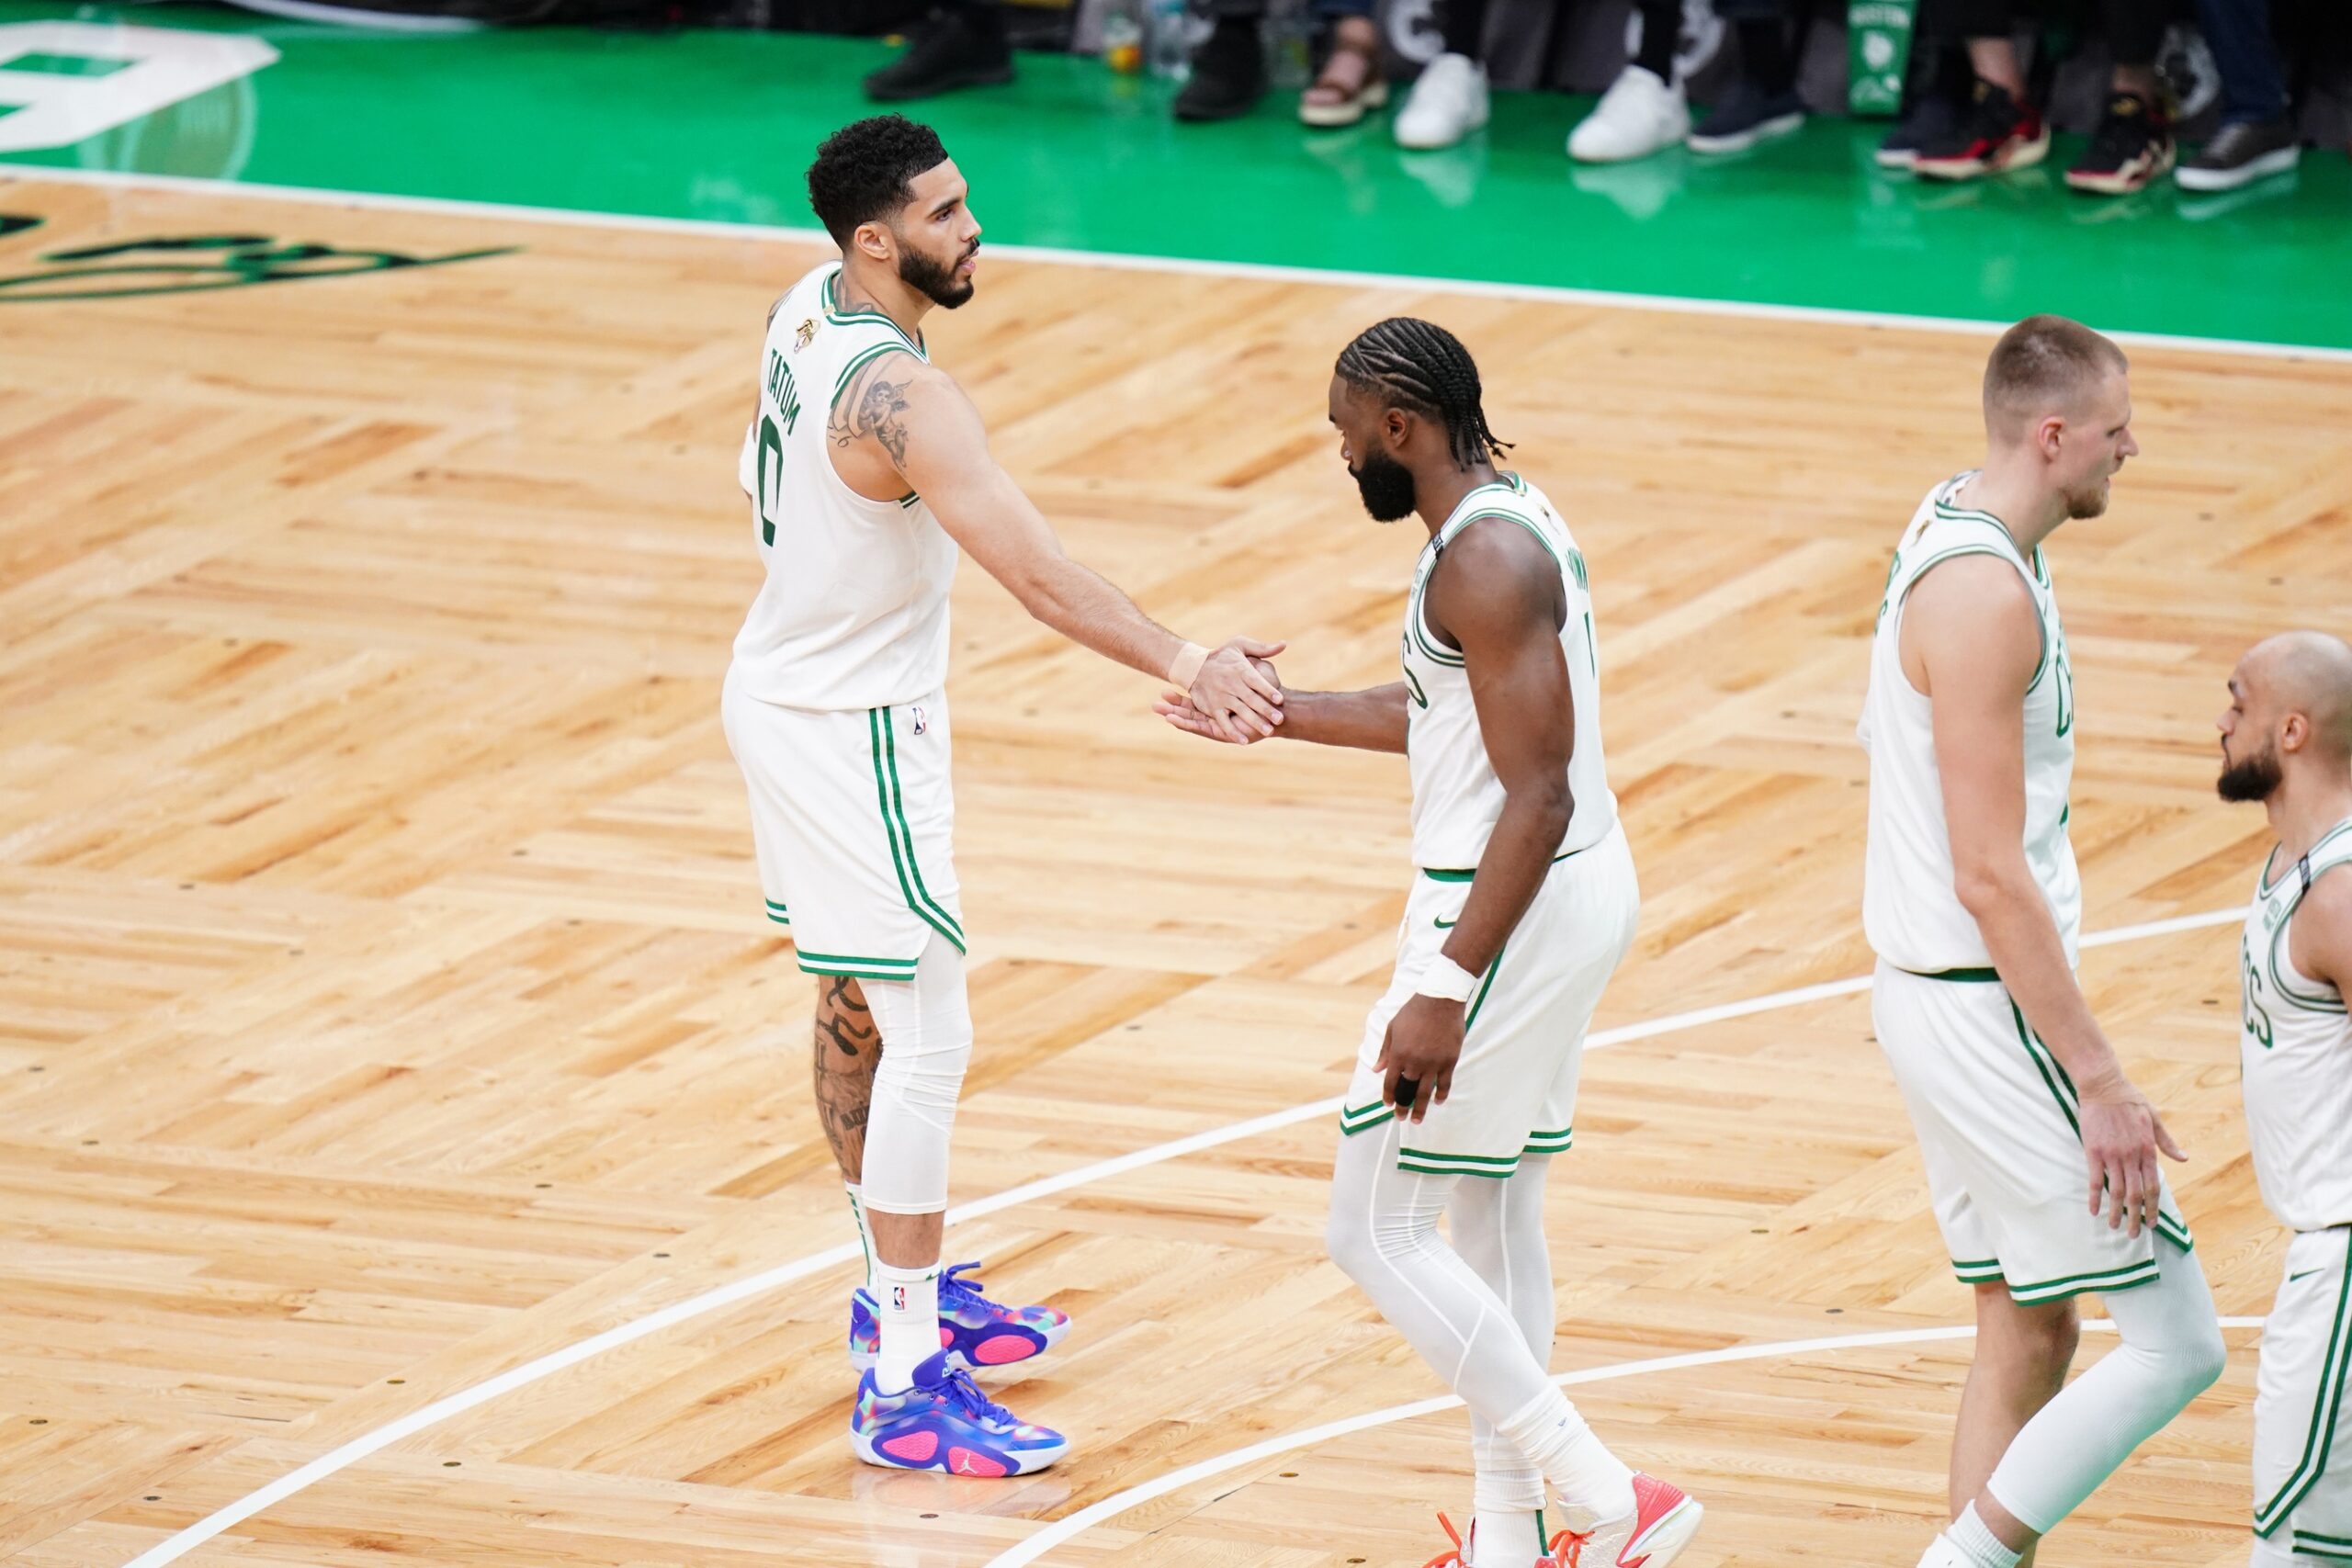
(179, 1545)
(1086, 1518)
(812, 236)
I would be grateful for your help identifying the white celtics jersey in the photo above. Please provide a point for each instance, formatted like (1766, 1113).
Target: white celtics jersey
(1912, 917)
(2296, 1047)
(1456, 796)
(853, 613)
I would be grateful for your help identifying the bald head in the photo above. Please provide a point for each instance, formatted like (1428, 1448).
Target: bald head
(2290, 715)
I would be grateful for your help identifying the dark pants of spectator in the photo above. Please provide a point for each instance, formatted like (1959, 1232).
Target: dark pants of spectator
(2134, 29)
(2238, 32)
(1325, 11)
(1465, 32)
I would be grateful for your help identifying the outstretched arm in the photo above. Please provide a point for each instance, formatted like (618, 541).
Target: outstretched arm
(1496, 594)
(934, 438)
(1972, 641)
(1372, 720)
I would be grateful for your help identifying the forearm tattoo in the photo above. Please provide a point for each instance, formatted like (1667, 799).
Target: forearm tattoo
(848, 1049)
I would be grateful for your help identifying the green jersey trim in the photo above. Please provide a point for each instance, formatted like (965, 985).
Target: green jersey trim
(1959, 977)
(857, 967)
(882, 732)
(2334, 1369)
(778, 913)
(840, 318)
(1438, 874)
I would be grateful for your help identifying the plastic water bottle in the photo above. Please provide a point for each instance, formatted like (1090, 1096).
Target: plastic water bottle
(1122, 36)
(1169, 38)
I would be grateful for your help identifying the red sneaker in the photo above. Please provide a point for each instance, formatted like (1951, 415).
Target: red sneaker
(1665, 1520)
(1996, 135)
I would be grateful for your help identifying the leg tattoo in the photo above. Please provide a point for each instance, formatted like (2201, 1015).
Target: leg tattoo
(848, 1049)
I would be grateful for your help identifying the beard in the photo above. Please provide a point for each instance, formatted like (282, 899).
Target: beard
(2087, 503)
(2253, 779)
(937, 281)
(1386, 486)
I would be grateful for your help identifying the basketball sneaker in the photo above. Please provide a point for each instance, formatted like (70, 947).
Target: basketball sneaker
(944, 1422)
(1451, 1557)
(1664, 1520)
(1997, 134)
(974, 1331)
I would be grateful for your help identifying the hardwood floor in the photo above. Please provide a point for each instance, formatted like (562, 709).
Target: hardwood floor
(385, 1000)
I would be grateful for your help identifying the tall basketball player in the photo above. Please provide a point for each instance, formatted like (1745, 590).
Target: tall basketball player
(1523, 902)
(2286, 743)
(2042, 1158)
(867, 470)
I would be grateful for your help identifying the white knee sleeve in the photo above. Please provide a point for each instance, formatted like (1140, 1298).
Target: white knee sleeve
(926, 1028)
(2172, 1351)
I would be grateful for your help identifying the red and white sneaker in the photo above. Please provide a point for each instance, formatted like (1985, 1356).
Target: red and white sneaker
(1665, 1520)
(1996, 135)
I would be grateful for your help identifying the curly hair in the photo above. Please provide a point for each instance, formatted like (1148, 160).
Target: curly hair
(866, 170)
(1420, 365)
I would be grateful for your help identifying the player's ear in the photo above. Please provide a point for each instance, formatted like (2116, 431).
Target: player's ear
(1397, 426)
(2294, 730)
(875, 240)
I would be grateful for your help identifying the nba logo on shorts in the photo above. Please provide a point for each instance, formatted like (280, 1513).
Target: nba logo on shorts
(921, 723)
(898, 1298)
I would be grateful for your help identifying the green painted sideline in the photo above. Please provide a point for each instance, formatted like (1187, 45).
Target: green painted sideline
(718, 126)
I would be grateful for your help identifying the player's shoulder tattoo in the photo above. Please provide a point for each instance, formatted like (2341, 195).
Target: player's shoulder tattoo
(874, 401)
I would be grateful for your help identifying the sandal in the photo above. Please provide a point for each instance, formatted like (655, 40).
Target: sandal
(1350, 83)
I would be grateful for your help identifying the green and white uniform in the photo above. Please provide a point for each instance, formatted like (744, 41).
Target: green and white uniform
(835, 703)
(1994, 1111)
(1514, 1089)
(2295, 1044)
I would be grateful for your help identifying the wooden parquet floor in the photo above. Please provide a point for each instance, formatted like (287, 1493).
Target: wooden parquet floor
(384, 999)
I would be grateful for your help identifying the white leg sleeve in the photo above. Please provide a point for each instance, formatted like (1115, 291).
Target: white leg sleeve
(1498, 1230)
(2172, 1351)
(926, 1028)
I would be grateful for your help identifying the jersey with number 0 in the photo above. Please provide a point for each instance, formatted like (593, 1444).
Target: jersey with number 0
(2296, 1049)
(1456, 796)
(853, 612)
(1912, 915)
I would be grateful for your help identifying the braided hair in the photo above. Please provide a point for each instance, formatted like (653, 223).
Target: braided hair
(1420, 365)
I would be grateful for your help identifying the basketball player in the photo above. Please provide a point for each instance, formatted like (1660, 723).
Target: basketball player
(2042, 1156)
(1524, 901)
(867, 468)
(2286, 743)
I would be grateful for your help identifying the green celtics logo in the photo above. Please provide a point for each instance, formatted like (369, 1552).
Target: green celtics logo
(194, 264)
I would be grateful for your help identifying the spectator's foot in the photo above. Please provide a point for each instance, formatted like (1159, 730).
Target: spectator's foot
(2241, 153)
(1931, 119)
(1349, 84)
(2131, 148)
(1995, 135)
(963, 46)
(1639, 115)
(1449, 101)
(1228, 73)
(1745, 115)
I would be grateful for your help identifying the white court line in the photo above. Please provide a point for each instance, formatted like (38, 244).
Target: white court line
(177, 1546)
(1061, 1530)
(712, 228)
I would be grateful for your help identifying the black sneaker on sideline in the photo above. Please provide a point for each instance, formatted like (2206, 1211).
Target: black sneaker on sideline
(2132, 150)
(1228, 73)
(962, 46)
(2241, 153)
(1745, 115)
(1934, 118)
(1995, 134)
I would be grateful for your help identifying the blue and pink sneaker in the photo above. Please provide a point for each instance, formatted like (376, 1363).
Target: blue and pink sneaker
(974, 1331)
(944, 1422)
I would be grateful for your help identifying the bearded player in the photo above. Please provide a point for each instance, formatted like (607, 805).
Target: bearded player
(1523, 902)
(2286, 743)
(868, 471)
(2042, 1158)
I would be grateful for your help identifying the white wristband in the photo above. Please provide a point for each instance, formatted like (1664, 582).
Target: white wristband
(1447, 980)
(1185, 667)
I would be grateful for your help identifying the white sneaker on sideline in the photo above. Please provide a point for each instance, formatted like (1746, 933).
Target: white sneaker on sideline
(1638, 116)
(1449, 101)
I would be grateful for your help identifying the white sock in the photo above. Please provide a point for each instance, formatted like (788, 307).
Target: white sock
(907, 1304)
(864, 1232)
(1977, 1544)
(1595, 1486)
(1506, 1539)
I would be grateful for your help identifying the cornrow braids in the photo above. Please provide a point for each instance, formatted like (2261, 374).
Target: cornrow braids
(1424, 367)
